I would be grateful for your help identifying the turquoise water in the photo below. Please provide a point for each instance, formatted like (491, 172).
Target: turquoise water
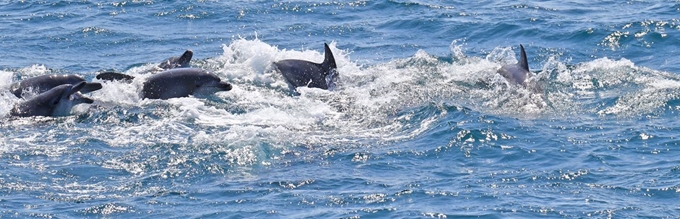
(420, 125)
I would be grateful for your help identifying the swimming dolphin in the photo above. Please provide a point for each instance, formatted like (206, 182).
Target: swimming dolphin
(300, 73)
(517, 73)
(43, 83)
(180, 82)
(170, 63)
(57, 101)
(177, 62)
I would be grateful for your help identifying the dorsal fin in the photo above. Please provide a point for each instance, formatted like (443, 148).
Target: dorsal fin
(329, 60)
(523, 58)
(186, 57)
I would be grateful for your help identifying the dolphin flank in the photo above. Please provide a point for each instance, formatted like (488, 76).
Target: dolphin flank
(179, 82)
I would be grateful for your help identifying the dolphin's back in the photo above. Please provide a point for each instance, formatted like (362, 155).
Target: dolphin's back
(517, 73)
(170, 83)
(44, 83)
(177, 62)
(181, 82)
(514, 74)
(299, 73)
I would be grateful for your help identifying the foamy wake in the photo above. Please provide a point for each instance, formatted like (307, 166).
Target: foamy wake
(371, 104)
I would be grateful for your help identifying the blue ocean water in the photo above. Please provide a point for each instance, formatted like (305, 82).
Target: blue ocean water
(420, 125)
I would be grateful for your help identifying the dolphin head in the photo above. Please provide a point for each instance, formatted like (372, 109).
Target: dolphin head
(70, 96)
(208, 84)
(61, 96)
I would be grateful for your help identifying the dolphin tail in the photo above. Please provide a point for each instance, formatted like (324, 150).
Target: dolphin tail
(114, 76)
(523, 58)
(329, 60)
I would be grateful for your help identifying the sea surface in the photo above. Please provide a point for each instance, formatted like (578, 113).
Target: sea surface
(420, 124)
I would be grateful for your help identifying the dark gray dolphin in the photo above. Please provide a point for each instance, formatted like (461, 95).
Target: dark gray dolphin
(43, 83)
(182, 82)
(300, 73)
(179, 82)
(177, 62)
(170, 63)
(517, 73)
(57, 101)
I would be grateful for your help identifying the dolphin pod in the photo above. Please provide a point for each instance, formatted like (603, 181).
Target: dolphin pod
(57, 94)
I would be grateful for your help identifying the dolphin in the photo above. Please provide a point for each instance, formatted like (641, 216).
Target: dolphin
(57, 101)
(300, 73)
(177, 62)
(43, 83)
(517, 73)
(179, 82)
(170, 63)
